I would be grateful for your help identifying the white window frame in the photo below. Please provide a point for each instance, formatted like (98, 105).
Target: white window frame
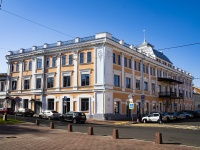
(50, 75)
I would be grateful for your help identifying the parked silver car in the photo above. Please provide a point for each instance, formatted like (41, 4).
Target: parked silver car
(49, 114)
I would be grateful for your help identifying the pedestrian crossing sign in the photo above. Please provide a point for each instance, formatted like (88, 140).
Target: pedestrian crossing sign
(131, 105)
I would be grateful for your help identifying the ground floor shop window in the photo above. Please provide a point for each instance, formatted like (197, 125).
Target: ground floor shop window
(84, 104)
(50, 104)
(25, 103)
(154, 106)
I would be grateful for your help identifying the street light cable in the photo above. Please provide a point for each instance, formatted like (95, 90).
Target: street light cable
(35, 22)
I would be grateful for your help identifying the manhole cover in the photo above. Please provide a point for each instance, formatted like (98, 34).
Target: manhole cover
(11, 137)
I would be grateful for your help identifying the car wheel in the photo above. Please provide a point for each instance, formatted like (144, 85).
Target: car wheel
(40, 116)
(74, 121)
(145, 121)
(49, 118)
(187, 117)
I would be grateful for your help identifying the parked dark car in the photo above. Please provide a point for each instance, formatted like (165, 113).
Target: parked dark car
(74, 117)
(194, 113)
(25, 112)
(6, 111)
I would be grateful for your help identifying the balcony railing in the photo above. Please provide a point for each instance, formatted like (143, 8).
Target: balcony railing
(171, 95)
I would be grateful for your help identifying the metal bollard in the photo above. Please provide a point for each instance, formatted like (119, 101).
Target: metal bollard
(51, 125)
(5, 117)
(90, 131)
(115, 134)
(69, 128)
(37, 122)
(158, 138)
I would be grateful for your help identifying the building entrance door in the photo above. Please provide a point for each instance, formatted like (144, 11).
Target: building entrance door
(38, 106)
(66, 105)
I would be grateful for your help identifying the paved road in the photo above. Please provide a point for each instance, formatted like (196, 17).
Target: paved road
(29, 136)
(138, 131)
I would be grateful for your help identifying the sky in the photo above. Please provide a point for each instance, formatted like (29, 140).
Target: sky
(167, 23)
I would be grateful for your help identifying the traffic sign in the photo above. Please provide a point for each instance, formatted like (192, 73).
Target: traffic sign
(131, 105)
(142, 97)
(130, 96)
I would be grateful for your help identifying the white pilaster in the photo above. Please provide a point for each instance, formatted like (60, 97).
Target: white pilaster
(156, 88)
(123, 83)
(75, 61)
(20, 77)
(133, 74)
(150, 87)
(8, 79)
(58, 72)
(33, 81)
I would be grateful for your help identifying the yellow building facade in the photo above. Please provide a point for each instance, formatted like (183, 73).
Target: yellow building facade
(99, 75)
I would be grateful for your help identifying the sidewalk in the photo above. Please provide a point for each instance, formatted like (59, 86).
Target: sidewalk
(29, 136)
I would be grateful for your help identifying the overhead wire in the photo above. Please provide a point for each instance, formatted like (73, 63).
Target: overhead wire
(179, 46)
(35, 22)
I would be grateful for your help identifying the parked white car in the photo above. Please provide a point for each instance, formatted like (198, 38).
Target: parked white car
(152, 117)
(49, 114)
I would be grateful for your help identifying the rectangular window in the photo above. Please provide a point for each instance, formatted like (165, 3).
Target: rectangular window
(128, 82)
(129, 63)
(147, 69)
(159, 88)
(84, 104)
(135, 63)
(116, 81)
(143, 67)
(39, 63)
(17, 67)
(119, 60)
(81, 58)
(114, 60)
(12, 67)
(66, 81)
(158, 73)
(153, 87)
(30, 65)
(54, 62)
(25, 103)
(71, 59)
(48, 62)
(89, 57)
(146, 86)
(154, 71)
(25, 66)
(26, 84)
(50, 104)
(63, 60)
(138, 84)
(138, 66)
(85, 79)
(2, 86)
(50, 82)
(125, 62)
(38, 83)
(14, 85)
(151, 71)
